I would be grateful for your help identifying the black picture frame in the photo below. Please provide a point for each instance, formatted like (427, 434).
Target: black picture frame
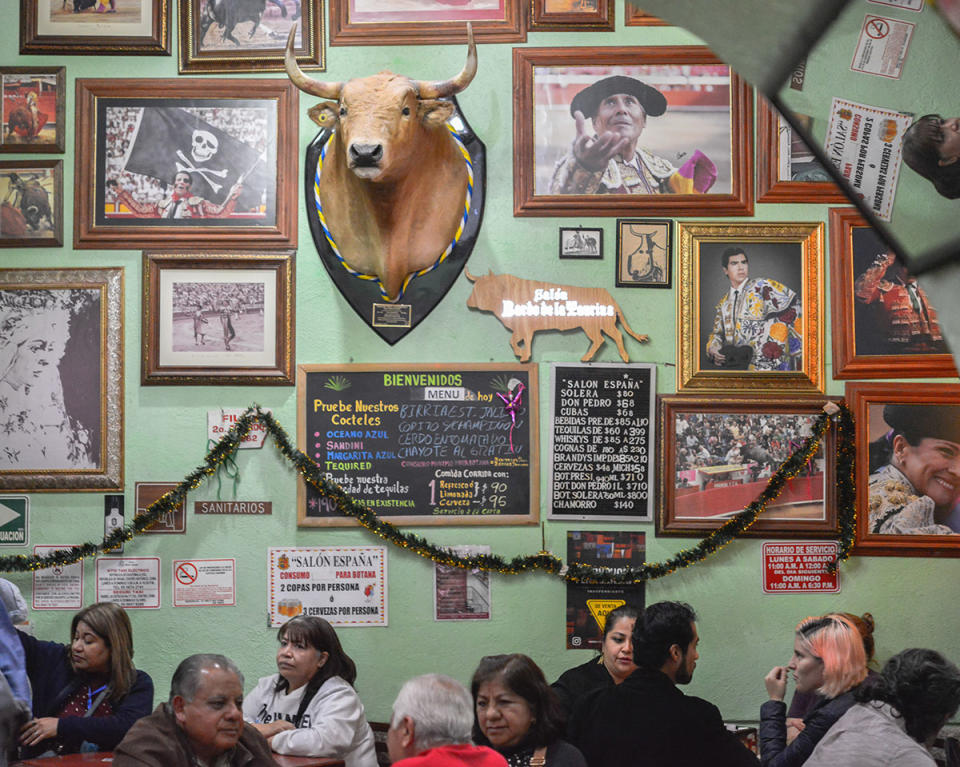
(655, 236)
(580, 242)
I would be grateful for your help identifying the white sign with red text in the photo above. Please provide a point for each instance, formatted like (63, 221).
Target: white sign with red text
(221, 420)
(204, 582)
(882, 46)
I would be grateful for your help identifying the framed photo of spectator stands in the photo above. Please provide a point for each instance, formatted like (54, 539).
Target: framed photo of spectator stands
(218, 318)
(33, 109)
(883, 323)
(718, 454)
(750, 307)
(687, 133)
(571, 15)
(100, 27)
(634, 17)
(183, 161)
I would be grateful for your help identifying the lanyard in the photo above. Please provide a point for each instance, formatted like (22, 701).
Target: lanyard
(91, 693)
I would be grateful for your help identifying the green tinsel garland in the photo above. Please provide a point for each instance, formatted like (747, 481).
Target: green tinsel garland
(545, 561)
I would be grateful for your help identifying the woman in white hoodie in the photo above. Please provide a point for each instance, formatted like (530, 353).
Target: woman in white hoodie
(310, 707)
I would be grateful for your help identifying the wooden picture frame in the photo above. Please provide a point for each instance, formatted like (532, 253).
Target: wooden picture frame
(644, 253)
(546, 80)
(238, 308)
(700, 489)
(776, 144)
(206, 46)
(61, 325)
(222, 133)
(386, 22)
(33, 109)
(32, 208)
(580, 242)
(571, 15)
(140, 28)
(634, 17)
(876, 330)
(778, 343)
(906, 494)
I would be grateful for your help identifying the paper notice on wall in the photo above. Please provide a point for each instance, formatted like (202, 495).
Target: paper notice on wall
(882, 46)
(347, 585)
(864, 143)
(799, 567)
(131, 582)
(204, 582)
(907, 5)
(57, 587)
(460, 594)
(221, 420)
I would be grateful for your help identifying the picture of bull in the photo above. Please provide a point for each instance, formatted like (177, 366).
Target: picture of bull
(26, 208)
(228, 13)
(553, 307)
(26, 120)
(393, 180)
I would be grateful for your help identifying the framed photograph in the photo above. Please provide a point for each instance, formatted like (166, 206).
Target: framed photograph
(218, 318)
(750, 307)
(634, 17)
(214, 40)
(32, 109)
(208, 160)
(719, 454)
(577, 242)
(883, 323)
(98, 27)
(686, 134)
(908, 468)
(644, 253)
(787, 170)
(61, 380)
(571, 15)
(425, 22)
(31, 214)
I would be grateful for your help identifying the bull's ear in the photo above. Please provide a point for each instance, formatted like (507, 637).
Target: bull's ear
(434, 112)
(325, 114)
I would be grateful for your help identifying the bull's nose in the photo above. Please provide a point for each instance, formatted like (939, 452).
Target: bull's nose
(366, 154)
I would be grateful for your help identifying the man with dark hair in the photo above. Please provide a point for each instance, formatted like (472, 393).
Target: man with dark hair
(646, 717)
(180, 203)
(931, 146)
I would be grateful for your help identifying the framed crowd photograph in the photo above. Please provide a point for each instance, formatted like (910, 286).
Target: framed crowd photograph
(426, 22)
(908, 468)
(218, 318)
(750, 307)
(210, 160)
(719, 453)
(687, 135)
(99, 27)
(571, 15)
(578, 242)
(644, 253)
(883, 325)
(32, 109)
(787, 170)
(634, 17)
(213, 40)
(61, 380)
(31, 214)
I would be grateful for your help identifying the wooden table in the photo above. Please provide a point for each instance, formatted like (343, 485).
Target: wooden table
(104, 758)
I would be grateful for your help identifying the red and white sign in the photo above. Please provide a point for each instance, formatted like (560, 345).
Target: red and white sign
(131, 582)
(204, 582)
(220, 421)
(882, 46)
(800, 567)
(57, 588)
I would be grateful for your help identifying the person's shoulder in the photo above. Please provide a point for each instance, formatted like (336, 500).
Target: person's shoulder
(564, 754)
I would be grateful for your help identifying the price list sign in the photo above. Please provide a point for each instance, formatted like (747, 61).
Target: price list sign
(422, 444)
(602, 440)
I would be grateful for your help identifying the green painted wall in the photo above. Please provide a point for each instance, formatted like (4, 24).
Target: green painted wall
(744, 632)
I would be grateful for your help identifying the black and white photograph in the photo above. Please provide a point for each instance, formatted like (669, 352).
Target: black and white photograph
(578, 242)
(221, 316)
(644, 253)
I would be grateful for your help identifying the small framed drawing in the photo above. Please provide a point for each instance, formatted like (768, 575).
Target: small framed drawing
(571, 15)
(98, 27)
(644, 253)
(634, 17)
(185, 160)
(719, 454)
(61, 380)
(884, 325)
(31, 214)
(750, 311)
(33, 109)
(577, 242)
(218, 318)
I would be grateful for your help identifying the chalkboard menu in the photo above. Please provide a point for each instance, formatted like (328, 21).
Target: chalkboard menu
(422, 444)
(602, 440)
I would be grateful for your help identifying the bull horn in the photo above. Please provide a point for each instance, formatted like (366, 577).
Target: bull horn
(314, 87)
(469, 276)
(443, 88)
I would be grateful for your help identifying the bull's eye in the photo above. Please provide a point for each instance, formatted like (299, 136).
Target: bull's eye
(343, 111)
(406, 111)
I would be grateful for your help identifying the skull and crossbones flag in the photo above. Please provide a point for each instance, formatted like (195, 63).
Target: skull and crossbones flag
(170, 140)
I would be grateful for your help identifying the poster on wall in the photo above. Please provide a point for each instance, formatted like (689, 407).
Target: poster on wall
(58, 587)
(460, 594)
(800, 567)
(204, 582)
(587, 605)
(346, 585)
(131, 582)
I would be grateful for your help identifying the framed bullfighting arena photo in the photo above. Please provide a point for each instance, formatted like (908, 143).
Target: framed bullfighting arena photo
(750, 307)
(213, 40)
(61, 380)
(208, 160)
(908, 468)
(883, 325)
(571, 15)
(33, 109)
(218, 318)
(100, 27)
(578, 242)
(31, 214)
(596, 129)
(719, 453)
